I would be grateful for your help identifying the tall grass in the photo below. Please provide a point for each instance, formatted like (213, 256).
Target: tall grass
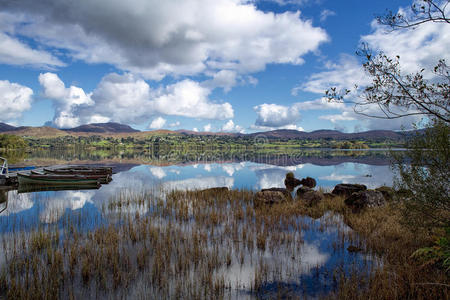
(214, 245)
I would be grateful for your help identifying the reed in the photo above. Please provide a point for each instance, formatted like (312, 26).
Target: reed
(215, 244)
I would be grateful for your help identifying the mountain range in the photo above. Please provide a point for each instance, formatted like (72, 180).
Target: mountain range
(117, 129)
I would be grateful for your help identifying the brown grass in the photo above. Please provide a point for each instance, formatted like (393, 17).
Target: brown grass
(189, 242)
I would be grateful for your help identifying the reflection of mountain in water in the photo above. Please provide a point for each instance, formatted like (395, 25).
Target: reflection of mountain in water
(124, 160)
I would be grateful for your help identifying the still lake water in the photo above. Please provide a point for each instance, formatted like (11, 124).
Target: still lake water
(329, 168)
(318, 256)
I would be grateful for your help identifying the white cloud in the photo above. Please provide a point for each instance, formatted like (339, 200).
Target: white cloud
(225, 79)
(318, 104)
(14, 100)
(129, 99)
(157, 123)
(343, 75)
(207, 127)
(15, 52)
(324, 14)
(267, 128)
(66, 100)
(231, 127)
(195, 129)
(274, 115)
(418, 48)
(344, 116)
(175, 124)
(189, 99)
(158, 38)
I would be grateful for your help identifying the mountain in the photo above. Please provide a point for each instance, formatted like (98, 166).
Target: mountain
(5, 127)
(121, 130)
(103, 128)
(191, 132)
(331, 134)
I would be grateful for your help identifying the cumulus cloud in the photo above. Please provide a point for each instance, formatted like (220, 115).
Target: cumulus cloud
(66, 100)
(14, 100)
(274, 115)
(154, 39)
(231, 127)
(129, 99)
(157, 123)
(342, 75)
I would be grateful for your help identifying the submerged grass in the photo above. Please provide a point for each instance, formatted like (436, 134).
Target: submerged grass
(213, 244)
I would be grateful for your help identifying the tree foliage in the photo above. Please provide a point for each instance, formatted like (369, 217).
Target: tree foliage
(8, 141)
(425, 171)
(395, 93)
(420, 12)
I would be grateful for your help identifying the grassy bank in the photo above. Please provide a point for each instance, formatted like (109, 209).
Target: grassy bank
(214, 245)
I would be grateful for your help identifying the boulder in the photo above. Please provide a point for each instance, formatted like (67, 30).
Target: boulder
(285, 192)
(302, 190)
(291, 182)
(387, 192)
(346, 189)
(362, 199)
(308, 182)
(312, 197)
(271, 196)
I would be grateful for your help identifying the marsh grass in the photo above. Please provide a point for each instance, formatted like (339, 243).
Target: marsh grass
(212, 245)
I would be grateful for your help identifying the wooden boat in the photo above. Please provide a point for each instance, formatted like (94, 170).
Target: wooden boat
(103, 178)
(77, 170)
(53, 179)
(43, 188)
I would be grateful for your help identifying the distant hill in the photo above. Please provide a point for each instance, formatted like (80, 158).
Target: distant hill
(37, 132)
(190, 132)
(103, 128)
(121, 131)
(5, 127)
(331, 134)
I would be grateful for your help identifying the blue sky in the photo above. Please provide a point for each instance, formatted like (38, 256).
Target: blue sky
(225, 65)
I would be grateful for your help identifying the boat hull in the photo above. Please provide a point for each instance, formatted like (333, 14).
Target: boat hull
(54, 180)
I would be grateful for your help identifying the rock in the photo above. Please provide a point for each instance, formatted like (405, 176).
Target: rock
(388, 192)
(308, 182)
(291, 182)
(346, 189)
(302, 190)
(285, 192)
(368, 198)
(312, 197)
(271, 196)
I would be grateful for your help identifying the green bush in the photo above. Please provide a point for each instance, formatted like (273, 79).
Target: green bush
(8, 141)
(424, 170)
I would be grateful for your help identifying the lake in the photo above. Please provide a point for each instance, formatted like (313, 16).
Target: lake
(303, 270)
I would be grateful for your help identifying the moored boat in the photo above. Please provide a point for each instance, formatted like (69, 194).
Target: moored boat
(103, 178)
(53, 179)
(80, 170)
(31, 188)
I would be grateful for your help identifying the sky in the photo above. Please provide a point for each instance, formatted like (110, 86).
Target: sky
(223, 65)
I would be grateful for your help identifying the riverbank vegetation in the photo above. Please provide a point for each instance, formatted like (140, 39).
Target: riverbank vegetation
(215, 244)
(198, 142)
